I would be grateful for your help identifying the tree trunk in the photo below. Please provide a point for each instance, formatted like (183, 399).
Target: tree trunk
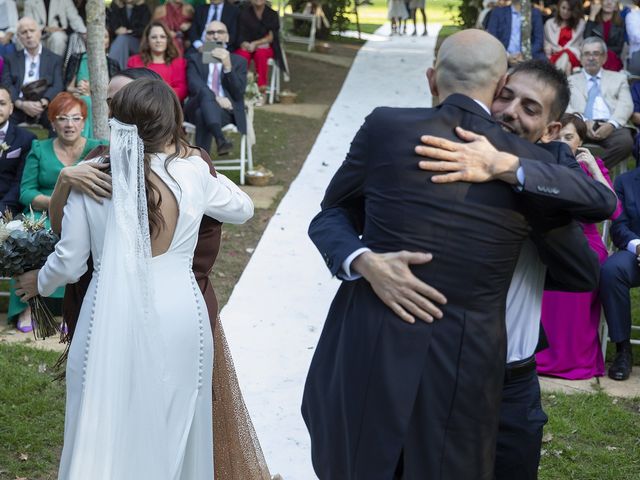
(525, 40)
(97, 67)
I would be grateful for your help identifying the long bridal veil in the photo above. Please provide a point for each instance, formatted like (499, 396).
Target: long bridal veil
(123, 361)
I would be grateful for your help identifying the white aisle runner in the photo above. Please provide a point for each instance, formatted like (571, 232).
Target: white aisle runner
(276, 311)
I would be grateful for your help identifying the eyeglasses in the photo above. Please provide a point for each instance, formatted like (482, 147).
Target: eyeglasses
(65, 118)
(592, 54)
(219, 32)
(32, 69)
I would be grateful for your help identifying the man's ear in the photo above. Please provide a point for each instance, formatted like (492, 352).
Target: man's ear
(431, 78)
(501, 83)
(551, 132)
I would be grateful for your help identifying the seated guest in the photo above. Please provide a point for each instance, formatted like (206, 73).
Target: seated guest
(621, 272)
(505, 23)
(76, 78)
(56, 18)
(43, 164)
(632, 28)
(216, 92)
(563, 35)
(220, 11)
(127, 22)
(8, 24)
(27, 66)
(606, 23)
(158, 53)
(571, 320)
(18, 143)
(603, 98)
(177, 16)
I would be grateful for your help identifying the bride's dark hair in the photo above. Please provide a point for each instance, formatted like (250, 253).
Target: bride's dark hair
(153, 107)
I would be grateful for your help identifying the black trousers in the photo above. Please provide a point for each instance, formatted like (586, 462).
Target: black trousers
(520, 430)
(208, 117)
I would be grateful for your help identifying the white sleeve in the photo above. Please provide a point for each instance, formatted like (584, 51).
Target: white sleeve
(69, 260)
(224, 200)
(632, 245)
(632, 23)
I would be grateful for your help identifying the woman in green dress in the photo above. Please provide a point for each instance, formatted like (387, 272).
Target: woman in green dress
(67, 114)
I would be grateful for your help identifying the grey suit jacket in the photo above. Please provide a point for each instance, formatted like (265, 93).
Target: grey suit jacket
(615, 91)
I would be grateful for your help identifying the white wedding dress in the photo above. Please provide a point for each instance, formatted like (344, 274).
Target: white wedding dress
(139, 391)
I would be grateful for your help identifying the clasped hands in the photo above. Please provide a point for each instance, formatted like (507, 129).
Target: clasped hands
(599, 132)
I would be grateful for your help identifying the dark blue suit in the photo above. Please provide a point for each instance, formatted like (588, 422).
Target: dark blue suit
(499, 25)
(621, 272)
(378, 386)
(11, 166)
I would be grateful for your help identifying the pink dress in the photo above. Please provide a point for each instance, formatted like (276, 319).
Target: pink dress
(571, 321)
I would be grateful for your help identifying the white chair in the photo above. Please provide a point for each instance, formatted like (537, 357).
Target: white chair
(310, 14)
(274, 82)
(241, 163)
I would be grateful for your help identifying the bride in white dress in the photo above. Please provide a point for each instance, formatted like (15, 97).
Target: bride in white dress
(140, 364)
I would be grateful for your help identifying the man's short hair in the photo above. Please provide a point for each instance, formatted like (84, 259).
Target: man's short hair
(6, 89)
(137, 73)
(598, 40)
(549, 75)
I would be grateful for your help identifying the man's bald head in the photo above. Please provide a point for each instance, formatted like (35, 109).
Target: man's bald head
(471, 62)
(29, 33)
(217, 31)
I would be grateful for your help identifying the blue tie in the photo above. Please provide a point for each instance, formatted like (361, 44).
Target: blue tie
(594, 92)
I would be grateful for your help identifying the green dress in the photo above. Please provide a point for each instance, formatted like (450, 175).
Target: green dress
(41, 171)
(83, 74)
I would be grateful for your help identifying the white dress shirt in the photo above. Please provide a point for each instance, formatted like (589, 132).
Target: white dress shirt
(632, 24)
(30, 61)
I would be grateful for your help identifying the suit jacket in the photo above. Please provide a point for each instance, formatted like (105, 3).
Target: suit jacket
(362, 382)
(50, 68)
(140, 17)
(12, 165)
(499, 25)
(627, 226)
(614, 87)
(62, 13)
(616, 40)
(234, 84)
(229, 17)
(204, 256)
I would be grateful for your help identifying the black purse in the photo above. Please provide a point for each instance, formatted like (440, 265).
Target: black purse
(33, 91)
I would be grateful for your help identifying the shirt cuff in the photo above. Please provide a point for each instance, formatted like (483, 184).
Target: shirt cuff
(197, 44)
(345, 273)
(631, 246)
(520, 178)
(614, 123)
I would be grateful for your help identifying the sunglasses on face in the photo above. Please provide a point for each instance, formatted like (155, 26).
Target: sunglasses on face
(32, 69)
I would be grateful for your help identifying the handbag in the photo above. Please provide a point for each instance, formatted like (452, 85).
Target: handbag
(33, 91)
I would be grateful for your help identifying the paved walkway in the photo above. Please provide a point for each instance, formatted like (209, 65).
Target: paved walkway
(275, 314)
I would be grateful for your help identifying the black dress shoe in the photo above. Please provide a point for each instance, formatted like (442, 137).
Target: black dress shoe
(225, 147)
(621, 366)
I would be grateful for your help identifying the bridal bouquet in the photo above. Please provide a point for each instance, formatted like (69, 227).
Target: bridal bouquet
(25, 244)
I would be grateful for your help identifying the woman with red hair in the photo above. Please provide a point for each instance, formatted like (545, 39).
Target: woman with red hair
(67, 114)
(159, 53)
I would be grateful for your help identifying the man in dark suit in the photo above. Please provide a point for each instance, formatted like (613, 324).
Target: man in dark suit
(385, 397)
(216, 92)
(15, 143)
(220, 11)
(531, 101)
(505, 22)
(621, 272)
(33, 63)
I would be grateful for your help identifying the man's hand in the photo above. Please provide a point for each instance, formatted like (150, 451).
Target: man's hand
(27, 285)
(394, 283)
(53, 29)
(603, 131)
(89, 178)
(224, 103)
(121, 31)
(222, 54)
(32, 109)
(477, 161)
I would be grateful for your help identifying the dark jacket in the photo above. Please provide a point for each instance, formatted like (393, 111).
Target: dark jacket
(361, 388)
(50, 68)
(11, 167)
(627, 226)
(499, 25)
(616, 35)
(229, 17)
(140, 17)
(234, 84)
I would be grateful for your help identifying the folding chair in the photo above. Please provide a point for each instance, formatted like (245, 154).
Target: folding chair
(246, 154)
